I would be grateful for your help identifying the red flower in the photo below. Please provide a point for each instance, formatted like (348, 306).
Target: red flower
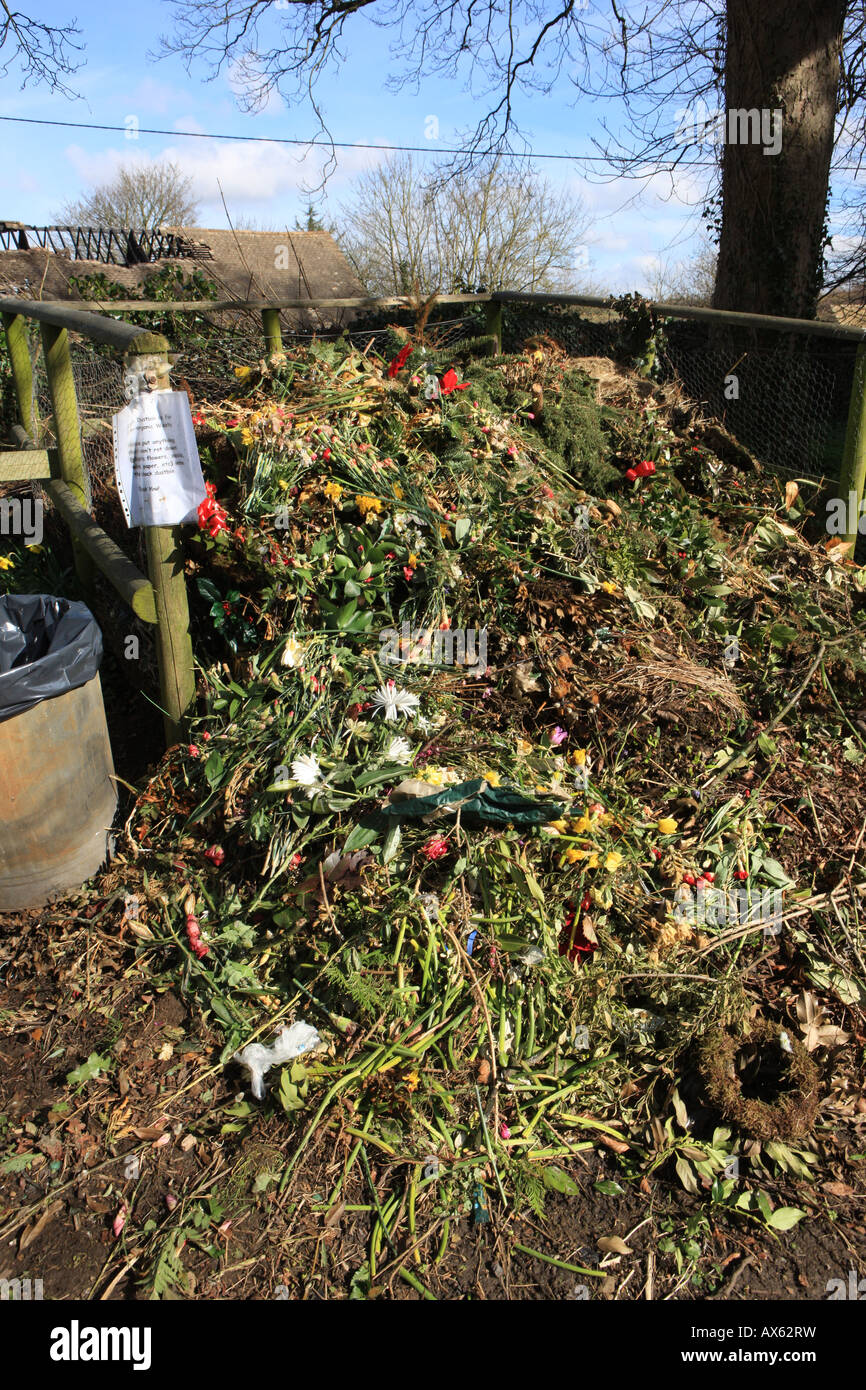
(400, 360)
(572, 942)
(198, 419)
(435, 847)
(741, 873)
(644, 469)
(296, 860)
(193, 750)
(206, 736)
(631, 474)
(449, 383)
(408, 572)
(216, 854)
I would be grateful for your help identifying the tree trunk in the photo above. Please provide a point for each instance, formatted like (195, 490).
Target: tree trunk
(781, 56)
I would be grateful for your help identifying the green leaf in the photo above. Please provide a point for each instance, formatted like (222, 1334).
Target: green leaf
(359, 837)
(213, 769)
(392, 843)
(89, 1070)
(346, 614)
(350, 590)
(608, 1187)
(17, 1163)
(686, 1176)
(558, 1181)
(767, 746)
(783, 1218)
(462, 527)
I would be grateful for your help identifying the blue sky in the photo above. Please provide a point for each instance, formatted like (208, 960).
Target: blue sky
(635, 227)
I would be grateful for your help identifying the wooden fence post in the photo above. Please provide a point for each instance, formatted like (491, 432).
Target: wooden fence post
(18, 342)
(149, 359)
(493, 322)
(67, 429)
(853, 472)
(271, 325)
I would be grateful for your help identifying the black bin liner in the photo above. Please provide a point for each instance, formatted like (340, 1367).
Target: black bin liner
(47, 646)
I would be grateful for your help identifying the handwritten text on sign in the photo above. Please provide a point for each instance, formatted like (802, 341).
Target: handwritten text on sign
(156, 460)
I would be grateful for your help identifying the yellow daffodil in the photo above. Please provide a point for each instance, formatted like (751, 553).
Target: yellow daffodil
(613, 861)
(581, 825)
(558, 825)
(667, 826)
(334, 491)
(574, 855)
(592, 861)
(6, 564)
(491, 778)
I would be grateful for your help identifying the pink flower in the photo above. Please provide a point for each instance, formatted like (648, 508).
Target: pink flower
(193, 936)
(193, 750)
(216, 854)
(435, 847)
(408, 572)
(558, 736)
(119, 1222)
(504, 1131)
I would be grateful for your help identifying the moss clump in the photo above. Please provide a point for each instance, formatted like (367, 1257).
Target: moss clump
(792, 1113)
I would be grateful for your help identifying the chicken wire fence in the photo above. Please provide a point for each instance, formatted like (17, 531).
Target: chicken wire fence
(787, 404)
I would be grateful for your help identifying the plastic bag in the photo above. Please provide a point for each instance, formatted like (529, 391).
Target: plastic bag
(289, 1043)
(47, 646)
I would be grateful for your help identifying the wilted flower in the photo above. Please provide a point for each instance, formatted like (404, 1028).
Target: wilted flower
(307, 771)
(399, 750)
(558, 736)
(393, 701)
(435, 847)
(216, 854)
(292, 653)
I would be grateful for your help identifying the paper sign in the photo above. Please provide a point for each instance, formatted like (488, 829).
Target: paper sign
(156, 460)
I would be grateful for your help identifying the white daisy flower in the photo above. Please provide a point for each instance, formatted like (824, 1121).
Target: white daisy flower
(422, 724)
(293, 653)
(399, 750)
(307, 771)
(392, 700)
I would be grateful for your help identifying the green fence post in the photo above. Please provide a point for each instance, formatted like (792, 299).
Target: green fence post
(18, 342)
(271, 325)
(853, 472)
(493, 322)
(67, 430)
(148, 358)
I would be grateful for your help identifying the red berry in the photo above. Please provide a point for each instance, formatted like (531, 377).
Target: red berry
(741, 873)
(689, 879)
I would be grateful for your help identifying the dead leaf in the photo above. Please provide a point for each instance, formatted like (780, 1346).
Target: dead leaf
(616, 1145)
(613, 1245)
(792, 492)
(39, 1226)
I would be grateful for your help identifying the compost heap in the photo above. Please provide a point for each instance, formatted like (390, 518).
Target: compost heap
(488, 782)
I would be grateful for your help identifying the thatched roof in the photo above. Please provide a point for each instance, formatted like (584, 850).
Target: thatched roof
(243, 265)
